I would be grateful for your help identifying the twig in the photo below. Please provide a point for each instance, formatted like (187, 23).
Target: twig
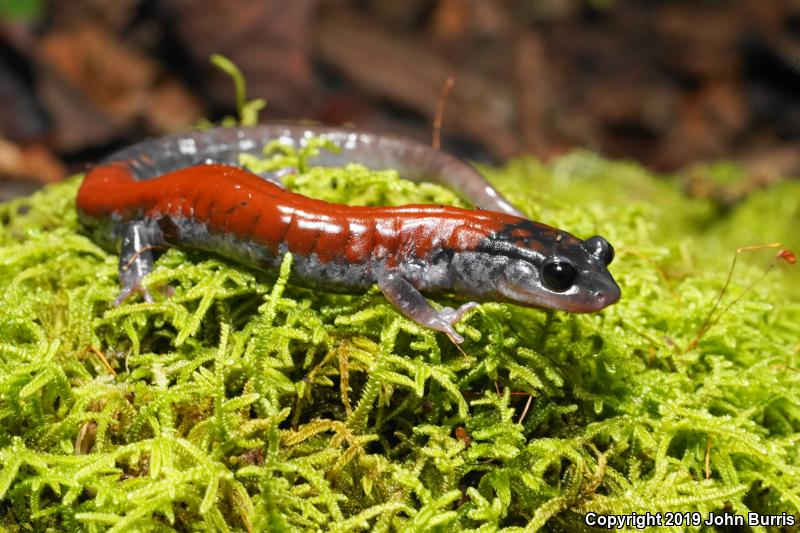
(525, 411)
(103, 359)
(437, 120)
(400, 69)
(711, 320)
(532, 88)
(129, 264)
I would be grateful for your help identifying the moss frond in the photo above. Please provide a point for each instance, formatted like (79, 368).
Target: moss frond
(245, 403)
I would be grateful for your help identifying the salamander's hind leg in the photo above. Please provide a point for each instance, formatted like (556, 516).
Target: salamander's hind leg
(139, 240)
(413, 305)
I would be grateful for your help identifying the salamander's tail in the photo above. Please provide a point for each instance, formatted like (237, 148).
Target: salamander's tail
(100, 185)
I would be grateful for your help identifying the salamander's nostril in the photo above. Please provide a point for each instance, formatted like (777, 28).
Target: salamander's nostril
(608, 294)
(603, 299)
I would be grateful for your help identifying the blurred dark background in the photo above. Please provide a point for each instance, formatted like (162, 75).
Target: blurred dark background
(667, 83)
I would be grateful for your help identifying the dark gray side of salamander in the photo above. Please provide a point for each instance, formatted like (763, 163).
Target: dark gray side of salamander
(412, 160)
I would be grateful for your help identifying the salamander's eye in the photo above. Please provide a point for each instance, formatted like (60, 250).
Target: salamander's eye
(558, 276)
(600, 248)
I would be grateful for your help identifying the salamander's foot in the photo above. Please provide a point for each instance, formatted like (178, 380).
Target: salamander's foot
(413, 305)
(128, 291)
(449, 316)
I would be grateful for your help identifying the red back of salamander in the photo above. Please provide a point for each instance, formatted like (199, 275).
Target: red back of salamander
(149, 196)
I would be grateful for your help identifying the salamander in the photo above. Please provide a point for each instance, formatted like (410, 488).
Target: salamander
(188, 190)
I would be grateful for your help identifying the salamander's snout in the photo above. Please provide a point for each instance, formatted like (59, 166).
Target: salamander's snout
(594, 288)
(571, 276)
(599, 288)
(600, 292)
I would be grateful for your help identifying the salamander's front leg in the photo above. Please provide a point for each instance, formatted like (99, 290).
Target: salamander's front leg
(413, 305)
(136, 258)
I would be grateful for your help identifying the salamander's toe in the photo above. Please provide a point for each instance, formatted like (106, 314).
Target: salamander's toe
(461, 311)
(124, 295)
(127, 292)
(448, 317)
(454, 337)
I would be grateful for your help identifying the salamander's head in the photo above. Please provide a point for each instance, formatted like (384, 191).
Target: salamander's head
(539, 266)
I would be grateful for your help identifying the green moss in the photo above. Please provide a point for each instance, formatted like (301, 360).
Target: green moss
(20, 10)
(242, 402)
